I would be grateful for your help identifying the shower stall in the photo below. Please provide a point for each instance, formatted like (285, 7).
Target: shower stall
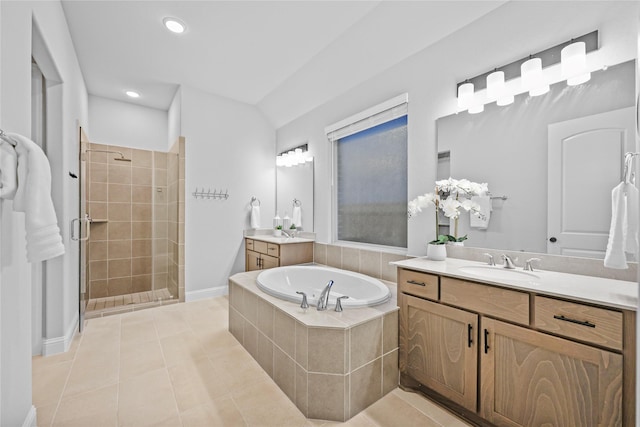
(132, 228)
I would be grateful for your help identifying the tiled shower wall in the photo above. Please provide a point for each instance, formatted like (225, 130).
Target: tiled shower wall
(127, 209)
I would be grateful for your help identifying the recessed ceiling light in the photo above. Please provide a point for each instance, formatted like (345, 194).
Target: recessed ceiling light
(174, 25)
(132, 94)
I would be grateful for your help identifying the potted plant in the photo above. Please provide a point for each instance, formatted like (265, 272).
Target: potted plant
(451, 196)
(277, 231)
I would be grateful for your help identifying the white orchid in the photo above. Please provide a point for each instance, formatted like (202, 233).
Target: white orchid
(450, 196)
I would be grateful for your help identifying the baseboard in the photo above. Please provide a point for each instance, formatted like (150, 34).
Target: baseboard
(57, 345)
(31, 420)
(206, 293)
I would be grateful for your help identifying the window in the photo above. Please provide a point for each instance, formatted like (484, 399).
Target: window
(370, 164)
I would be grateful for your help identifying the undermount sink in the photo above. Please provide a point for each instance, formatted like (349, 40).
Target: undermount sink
(491, 272)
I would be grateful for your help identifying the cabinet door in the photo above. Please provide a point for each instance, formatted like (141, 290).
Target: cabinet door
(441, 349)
(253, 261)
(533, 379)
(269, 261)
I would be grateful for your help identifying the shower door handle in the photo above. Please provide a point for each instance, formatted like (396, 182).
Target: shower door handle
(86, 218)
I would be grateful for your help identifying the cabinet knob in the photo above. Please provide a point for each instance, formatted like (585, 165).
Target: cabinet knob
(553, 239)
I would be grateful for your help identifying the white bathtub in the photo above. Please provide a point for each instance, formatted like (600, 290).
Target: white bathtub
(283, 282)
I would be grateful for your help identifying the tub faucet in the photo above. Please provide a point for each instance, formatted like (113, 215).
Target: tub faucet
(323, 300)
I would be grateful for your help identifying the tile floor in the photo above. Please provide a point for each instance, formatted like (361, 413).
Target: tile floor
(177, 365)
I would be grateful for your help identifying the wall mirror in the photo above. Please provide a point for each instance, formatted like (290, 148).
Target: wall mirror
(549, 181)
(294, 187)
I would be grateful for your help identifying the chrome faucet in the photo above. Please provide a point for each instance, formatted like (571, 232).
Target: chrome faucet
(508, 262)
(290, 234)
(491, 260)
(323, 300)
(527, 264)
(339, 302)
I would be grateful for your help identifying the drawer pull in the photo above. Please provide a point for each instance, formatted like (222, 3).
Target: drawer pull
(578, 322)
(469, 331)
(271, 249)
(486, 341)
(413, 282)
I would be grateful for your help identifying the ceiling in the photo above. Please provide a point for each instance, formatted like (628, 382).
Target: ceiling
(285, 57)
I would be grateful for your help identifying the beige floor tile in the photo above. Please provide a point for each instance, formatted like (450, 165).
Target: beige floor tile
(392, 411)
(92, 371)
(257, 405)
(48, 382)
(169, 321)
(216, 341)
(45, 414)
(182, 347)
(136, 316)
(95, 408)
(139, 358)
(146, 400)
(219, 412)
(429, 408)
(238, 369)
(140, 332)
(196, 383)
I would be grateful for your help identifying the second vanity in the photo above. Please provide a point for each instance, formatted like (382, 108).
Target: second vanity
(263, 251)
(518, 348)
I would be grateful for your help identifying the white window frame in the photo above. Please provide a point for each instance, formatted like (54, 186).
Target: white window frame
(386, 111)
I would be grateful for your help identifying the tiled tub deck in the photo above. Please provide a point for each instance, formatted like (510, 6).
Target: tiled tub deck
(331, 365)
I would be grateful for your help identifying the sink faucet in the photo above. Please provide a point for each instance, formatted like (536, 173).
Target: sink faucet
(286, 233)
(323, 300)
(508, 262)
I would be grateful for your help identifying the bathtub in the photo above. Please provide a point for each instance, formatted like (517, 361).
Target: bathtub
(283, 282)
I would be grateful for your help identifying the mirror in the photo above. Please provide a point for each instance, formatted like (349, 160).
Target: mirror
(295, 183)
(507, 147)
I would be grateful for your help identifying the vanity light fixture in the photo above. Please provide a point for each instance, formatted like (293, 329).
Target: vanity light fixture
(478, 107)
(574, 64)
(293, 157)
(465, 96)
(533, 79)
(174, 25)
(132, 94)
(496, 89)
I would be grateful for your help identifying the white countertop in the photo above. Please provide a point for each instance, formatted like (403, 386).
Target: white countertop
(280, 240)
(595, 290)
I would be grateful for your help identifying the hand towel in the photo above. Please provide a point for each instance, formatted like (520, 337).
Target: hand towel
(296, 216)
(623, 234)
(8, 171)
(255, 216)
(33, 197)
(485, 209)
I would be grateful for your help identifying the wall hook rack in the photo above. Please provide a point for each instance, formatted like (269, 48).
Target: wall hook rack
(215, 194)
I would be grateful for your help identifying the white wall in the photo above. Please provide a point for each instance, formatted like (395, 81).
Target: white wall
(229, 145)
(127, 124)
(174, 118)
(62, 289)
(430, 76)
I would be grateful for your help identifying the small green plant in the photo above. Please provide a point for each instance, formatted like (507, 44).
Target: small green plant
(443, 239)
(278, 227)
(293, 227)
(456, 239)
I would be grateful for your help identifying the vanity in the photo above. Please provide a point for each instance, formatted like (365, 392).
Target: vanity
(518, 348)
(262, 251)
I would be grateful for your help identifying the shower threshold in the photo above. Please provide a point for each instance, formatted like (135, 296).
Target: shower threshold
(106, 306)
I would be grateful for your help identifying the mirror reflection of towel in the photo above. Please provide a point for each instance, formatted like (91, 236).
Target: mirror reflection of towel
(296, 216)
(485, 209)
(623, 234)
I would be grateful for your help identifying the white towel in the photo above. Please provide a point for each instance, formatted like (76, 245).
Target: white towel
(255, 216)
(8, 171)
(33, 197)
(485, 209)
(623, 234)
(296, 216)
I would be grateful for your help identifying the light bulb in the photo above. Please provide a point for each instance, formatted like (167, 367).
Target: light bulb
(465, 95)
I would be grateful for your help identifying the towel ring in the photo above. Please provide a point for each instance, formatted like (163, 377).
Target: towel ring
(255, 199)
(297, 202)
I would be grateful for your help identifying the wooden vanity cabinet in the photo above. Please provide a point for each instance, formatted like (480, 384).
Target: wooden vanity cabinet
(261, 255)
(506, 357)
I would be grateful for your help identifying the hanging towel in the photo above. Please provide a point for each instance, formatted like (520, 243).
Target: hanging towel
(33, 197)
(255, 216)
(8, 171)
(296, 216)
(623, 234)
(485, 209)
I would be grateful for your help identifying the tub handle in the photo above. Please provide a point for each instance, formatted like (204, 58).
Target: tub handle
(304, 303)
(339, 303)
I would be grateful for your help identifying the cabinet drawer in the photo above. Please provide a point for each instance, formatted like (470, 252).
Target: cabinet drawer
(490, 300)
(273, 249)
(259, 246)
(419, 284)
(249, 244)
(595, 325)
